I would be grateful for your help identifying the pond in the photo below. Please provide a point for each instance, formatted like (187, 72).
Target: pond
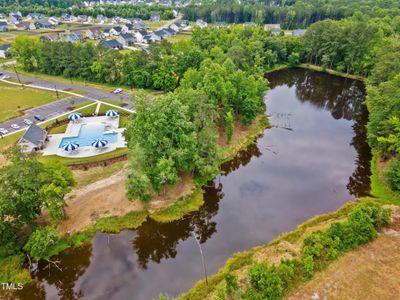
(312, 161)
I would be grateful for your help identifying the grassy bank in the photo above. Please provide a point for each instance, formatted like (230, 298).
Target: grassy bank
(379, 188)
(329, 71)
(286, 248)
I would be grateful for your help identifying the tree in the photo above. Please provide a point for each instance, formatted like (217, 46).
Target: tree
(42, 243)
(229, 126)
(26, 51)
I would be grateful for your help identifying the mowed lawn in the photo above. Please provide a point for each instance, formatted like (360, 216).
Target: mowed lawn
(14, 99)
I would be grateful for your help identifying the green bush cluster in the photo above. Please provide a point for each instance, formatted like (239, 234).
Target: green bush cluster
(318, 250)
(392, 174)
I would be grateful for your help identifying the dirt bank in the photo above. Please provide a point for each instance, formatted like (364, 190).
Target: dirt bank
(106, 197)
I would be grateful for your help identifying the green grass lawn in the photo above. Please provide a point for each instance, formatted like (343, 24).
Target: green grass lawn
(16, 98)
(183, 36)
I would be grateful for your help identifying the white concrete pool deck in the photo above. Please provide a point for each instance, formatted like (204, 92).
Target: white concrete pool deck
(111, 125)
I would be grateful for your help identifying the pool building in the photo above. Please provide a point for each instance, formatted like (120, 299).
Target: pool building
(87, 137)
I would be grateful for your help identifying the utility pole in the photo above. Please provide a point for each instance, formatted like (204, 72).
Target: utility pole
(58, 96)
(202, 257)
(16, 73)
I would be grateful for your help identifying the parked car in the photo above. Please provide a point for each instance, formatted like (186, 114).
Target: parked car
(117, 91)
(27, 122)
(39, 118)
(15, 126)
(3, 131)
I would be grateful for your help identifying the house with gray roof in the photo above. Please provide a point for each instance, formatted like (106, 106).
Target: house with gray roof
(155, 18)
(110, 44)
(74, 37)
(4, 50)
(3, 26)
(126, 39)
(33, 139)
(14, 19)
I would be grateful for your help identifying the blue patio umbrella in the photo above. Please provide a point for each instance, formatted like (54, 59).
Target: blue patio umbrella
(99, 143)
(70, 146)
(74, 116)
(112, 113)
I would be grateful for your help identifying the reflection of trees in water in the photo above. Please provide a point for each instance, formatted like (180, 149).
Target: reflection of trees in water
(359, 181)
(72, 265)
(156, 241)
(344, 98)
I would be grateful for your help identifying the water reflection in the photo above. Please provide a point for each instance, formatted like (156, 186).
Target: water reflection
(313, 162)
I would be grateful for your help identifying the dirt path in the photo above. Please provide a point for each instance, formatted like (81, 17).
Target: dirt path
(369, 273)
(106, 197)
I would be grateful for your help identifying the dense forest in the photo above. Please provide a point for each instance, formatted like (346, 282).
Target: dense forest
(290, 14)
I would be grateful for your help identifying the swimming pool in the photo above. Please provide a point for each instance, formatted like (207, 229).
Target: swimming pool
(88, 133)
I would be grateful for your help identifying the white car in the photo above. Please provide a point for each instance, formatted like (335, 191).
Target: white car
(15, 126)
(117, 91)
(3, 131)
(27, 122)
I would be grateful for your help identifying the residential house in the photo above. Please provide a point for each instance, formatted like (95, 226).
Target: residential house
(74, 37)
(101, 19)
(182, 23)
(14, 19)
(116, 31)
(32, 26)
(66, 17)
(111, 44)
(22, 26)
(126, 39)
(155, 18)
(54, 21)
(105, 33)
(175, 12)
(152, 37)
(35, 16)
(116, 20)
(200, 23)
(2, 16)
(298, 32)
(169, 31)
(83, 18)
(93, 33)
(43, 24)
(161, 33)
(137, 22)
(139, 36)
(4, 50)
(33, 139)
(51, 37)
(3, 26)
(127, 28)
(175, 27)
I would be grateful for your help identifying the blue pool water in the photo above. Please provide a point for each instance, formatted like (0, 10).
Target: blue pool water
(88, 134)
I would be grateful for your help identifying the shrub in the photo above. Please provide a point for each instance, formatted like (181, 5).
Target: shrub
(266, 281)
(231, 284)
(308, 267)
(393, 174)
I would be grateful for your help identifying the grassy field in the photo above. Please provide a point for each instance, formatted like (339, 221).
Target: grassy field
(15, 99)
(183, 36)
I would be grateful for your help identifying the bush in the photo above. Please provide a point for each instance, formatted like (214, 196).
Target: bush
(44, 243)
(266, 281)
(231, 284)
(308, 267)
(392, 174)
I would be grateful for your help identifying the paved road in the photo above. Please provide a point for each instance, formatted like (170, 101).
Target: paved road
(59, 107)
(90, 92)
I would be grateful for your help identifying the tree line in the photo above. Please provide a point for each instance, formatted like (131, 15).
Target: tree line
(290, 14)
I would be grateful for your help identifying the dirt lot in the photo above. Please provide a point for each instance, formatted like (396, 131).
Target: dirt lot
(369, 273)
(107, 198)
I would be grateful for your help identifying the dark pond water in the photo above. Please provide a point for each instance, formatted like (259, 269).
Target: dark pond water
(311, 162)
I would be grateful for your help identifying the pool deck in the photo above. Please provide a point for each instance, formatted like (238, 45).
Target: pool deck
(73, 129)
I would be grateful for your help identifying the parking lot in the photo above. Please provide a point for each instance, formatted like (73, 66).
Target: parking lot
(47, 111)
